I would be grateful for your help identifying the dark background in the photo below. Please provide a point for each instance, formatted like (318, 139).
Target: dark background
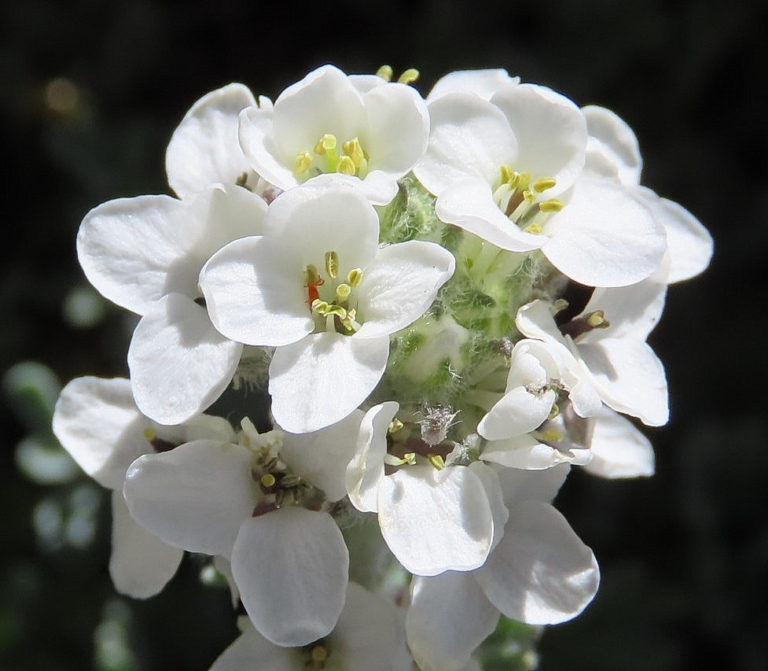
(683, 555)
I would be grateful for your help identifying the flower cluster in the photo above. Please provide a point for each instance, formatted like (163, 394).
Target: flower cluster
(433, 309)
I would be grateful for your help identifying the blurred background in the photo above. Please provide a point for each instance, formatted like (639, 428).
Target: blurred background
(90, 94)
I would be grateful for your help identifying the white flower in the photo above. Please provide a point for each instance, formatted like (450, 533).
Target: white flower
(368, 637)
(606, 342)
(97, 422)
(433, 520)
(329, 122)
(613, 151)
(539, 573)
(288, 559)
(510, 170)
(318, 288)
(145, 254)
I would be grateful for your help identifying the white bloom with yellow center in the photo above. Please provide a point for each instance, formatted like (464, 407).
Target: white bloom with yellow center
(333, 123)
(318, 287)
(510, 170)
(253, 504)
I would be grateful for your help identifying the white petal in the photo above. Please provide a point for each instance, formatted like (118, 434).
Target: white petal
(541, 572)
(518, 412)
(468, 203)
(291, 566)
(468, 137)
(325, 101)
(631, 311)
(132, 250)
(369, 634)
(400, 285)
(551, 133)
(254, 293)
(603, 237)
(448, 618)
(483, 83)
(252, 651)
(322, 456)
(141, 564)
(366, 469)
(98, 423)
(179, 363)
(325, 214)
(493, 491)
(435, 521)
(629, 377)
(528, 485)
(618, 141)
(256, 135)
(204, 149)
(195, 496)
(322, 378)
(619, 450)
(523, 452)
(398, 128)
(689, 244)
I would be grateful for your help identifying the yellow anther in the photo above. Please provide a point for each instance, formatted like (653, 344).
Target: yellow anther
(319, 306)
(529, 196)
(534, 229)
(409, 458)
(325, 144)
(597, 320)
(349, 322)
(319, 654)
(268, 480)
(337, 311)
(506, 173)
(409, 76)
(395, 425)
(346, 166)
(554, 412)
(552, 205)
(385, 72)
(544, 183)
(552, 436)
(149, 434)
(559, 305)
(522, 180)
(303, 162)
(343, 291)
(437, 461)
(354, 277)
(332, 264)
(354, 150)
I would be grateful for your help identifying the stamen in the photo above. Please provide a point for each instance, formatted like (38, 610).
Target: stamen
(319, 654)
(395, 425)
(409, 76)
(354, 150)
(552, 435)
(354, 277)
(385, 72)
(346, 166)
(554, 412)
(342, 292)
(303, 162)
(332, 264)
(544, 183)
(437, 461)
(268, 480)
(552, 205)
(325, 144)
(597, 320)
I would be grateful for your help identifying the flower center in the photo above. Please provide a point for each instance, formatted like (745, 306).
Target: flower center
(332, 300)
(325, 158)
(522, 201)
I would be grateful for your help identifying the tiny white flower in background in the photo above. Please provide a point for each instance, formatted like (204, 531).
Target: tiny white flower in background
(332, 123)
(483, 83)
(97, 422)
(318, 287)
